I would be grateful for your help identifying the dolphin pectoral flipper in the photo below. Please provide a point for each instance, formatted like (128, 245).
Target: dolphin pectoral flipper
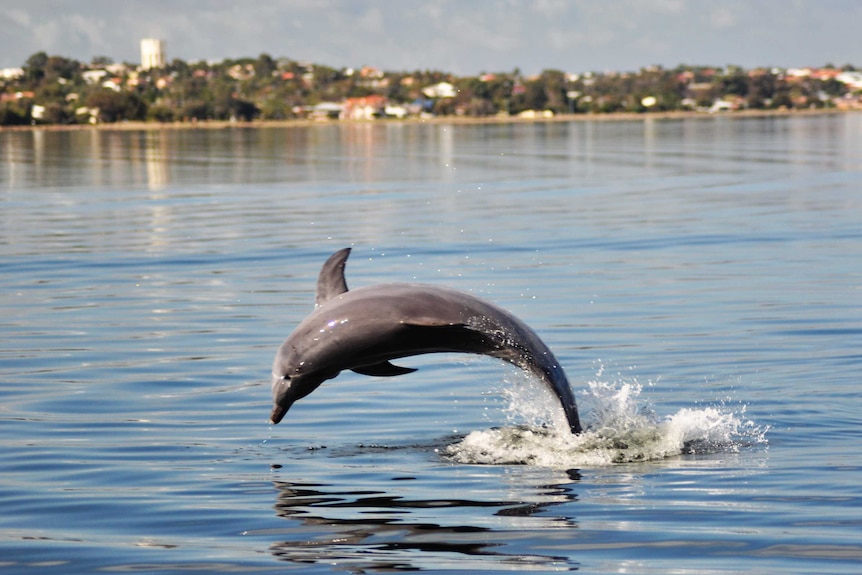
(384, 369)
(331, 282)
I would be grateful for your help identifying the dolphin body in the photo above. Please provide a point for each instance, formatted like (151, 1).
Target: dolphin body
(361, 330)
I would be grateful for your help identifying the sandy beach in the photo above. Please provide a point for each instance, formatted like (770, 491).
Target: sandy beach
(499, 119)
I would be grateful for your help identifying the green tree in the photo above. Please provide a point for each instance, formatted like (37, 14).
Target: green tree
(275, 109)
(34, 69)
(554, 85)
(117, 106)
(782, 98)
(833, 87)
(265, 66)
(243, 110)
(59, 67)
(195, 110)
(56, 113)
(14, 113)
(735, 83)
(161, 113)
(762, 90)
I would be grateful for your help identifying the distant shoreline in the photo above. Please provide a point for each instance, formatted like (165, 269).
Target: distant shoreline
(440, 120)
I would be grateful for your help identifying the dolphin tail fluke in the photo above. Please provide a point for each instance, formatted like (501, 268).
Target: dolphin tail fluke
(573, 419)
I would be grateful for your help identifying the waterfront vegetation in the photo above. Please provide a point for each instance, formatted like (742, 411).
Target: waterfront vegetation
(61, 91)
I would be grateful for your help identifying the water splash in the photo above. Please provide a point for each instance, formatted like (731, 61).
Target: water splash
(621, 427)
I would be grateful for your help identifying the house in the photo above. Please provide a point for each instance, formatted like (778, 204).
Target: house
(720, 106)
(240, 72)
(852, 80)
(848, 102)
(94, 76)
(796, 74)
(370, 72)
(112, 84)
(324, 111)
(87, 114)
(12, 97)
(729, 103)
(399, 112)
(824, 74)
(363, 108)
(117, 69)
(535, 114)
(420, 107)
(440, 90)
(11, 73)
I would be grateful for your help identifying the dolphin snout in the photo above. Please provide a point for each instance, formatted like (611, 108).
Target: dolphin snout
(278, 412)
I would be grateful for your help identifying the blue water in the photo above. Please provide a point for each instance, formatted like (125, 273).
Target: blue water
(699, 279)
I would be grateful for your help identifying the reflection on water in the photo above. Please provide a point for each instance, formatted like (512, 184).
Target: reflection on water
(400, 530)
(155, 159)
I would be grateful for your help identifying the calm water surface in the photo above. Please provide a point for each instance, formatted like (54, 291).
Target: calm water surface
(699, 279)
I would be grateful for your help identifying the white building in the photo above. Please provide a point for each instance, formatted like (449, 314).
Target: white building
(853, 80)
(94, 76)
(441, 90)
(11, 73)
(152, 53)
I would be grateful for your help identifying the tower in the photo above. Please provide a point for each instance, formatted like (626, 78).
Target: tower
(152, 53)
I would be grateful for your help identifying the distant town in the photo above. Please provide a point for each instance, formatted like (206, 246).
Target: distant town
(55, 90)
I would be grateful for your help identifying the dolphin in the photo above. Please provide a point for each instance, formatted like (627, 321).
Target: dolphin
(363, 329)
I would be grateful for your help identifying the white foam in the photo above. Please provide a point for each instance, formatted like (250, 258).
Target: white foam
(621, 426)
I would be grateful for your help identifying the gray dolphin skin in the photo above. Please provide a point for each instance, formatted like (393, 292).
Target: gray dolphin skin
(363, 329)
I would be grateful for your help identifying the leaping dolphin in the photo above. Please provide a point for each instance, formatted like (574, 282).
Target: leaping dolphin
(361, 330)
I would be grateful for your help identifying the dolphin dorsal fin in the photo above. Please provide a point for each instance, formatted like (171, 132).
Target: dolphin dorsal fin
(330, 282)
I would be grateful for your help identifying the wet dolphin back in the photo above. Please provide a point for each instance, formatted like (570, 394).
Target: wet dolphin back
(432, 319)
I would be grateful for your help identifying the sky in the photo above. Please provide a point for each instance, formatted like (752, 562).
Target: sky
(464, 37)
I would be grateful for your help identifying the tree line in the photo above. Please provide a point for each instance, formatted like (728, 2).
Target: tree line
(58, 90)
